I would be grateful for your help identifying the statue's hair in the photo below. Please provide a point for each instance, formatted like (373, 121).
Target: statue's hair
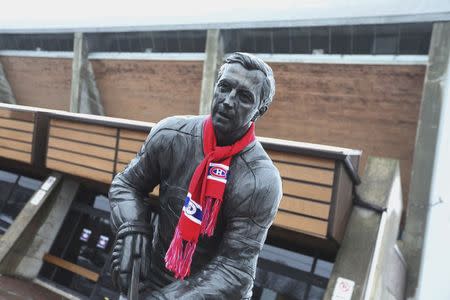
(251, 62)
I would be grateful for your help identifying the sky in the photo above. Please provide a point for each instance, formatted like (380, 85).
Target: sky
(17, 14)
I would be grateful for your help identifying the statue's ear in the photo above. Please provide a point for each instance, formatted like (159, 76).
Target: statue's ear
(259, 113)
(262, 110)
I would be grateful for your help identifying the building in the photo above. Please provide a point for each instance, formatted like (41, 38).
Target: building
(354, 78)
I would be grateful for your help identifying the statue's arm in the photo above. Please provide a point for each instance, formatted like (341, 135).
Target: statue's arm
(130, 214)
(231, 273)
(130, 188)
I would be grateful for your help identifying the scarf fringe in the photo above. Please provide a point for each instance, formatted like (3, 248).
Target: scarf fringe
(185, 265)
(212, 219)
(210, 214)
(175, 251)
(178, 260)
(206, 214)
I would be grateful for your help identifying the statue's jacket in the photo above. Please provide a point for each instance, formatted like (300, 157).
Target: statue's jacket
(223, 265)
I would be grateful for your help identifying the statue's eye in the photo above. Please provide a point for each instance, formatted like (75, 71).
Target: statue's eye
(246, 97)
(224, 87)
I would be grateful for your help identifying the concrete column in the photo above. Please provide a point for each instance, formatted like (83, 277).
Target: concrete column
(214, 55)
(435, 88)
(6, 94)
(22, 225)
(85, 97)
(368, 247)
(35, 229)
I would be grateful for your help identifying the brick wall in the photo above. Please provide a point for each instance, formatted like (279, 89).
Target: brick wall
(42, 82)
(148, 90)
(369, 107)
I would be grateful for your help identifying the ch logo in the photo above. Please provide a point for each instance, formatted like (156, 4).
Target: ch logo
(190, 209)
(218, 172)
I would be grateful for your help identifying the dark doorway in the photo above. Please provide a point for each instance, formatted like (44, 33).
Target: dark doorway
(79, 257)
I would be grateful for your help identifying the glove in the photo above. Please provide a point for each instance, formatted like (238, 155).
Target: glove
(126, 248)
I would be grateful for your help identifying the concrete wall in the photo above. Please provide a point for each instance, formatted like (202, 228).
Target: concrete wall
(435, 261)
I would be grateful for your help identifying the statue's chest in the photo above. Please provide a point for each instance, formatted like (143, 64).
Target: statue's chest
(176, 174)
(178, 166)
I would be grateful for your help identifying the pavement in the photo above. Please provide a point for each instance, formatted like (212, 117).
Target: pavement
(20, 289)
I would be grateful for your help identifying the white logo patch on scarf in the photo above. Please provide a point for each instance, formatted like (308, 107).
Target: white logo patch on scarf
(192, 210)
(218, 172)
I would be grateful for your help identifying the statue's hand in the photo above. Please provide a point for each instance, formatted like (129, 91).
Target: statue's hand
(124, 251)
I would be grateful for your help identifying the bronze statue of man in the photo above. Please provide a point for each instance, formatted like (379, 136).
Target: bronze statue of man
(219, 193)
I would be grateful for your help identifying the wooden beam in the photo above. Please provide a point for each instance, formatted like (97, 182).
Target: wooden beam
(67, 265)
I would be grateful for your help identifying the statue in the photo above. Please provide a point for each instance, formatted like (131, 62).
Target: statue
(219, 193)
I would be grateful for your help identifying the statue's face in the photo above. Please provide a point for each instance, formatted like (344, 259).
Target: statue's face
(236, 98)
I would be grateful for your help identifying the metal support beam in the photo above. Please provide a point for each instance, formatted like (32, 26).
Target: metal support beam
(435, 87)
(6, 94)
(85, 97)
(214, 51)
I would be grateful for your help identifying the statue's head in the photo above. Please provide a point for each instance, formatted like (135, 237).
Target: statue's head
(244, 90)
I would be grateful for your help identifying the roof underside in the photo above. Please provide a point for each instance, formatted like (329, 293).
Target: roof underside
(137, 15)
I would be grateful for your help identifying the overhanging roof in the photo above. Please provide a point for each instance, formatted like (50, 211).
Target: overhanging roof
(140, 15)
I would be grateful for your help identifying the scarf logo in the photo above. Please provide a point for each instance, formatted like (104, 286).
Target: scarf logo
(218, 172)
(192, 210)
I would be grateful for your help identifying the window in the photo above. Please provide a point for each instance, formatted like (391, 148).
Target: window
(153, 41)
(353, 39)
(300, 40)
(386, 39)
(341, 39)
(356, 39)
(284, 274)
(363, 39)
(85, 239)
(44, 42)
(415, 38)
(15, 191)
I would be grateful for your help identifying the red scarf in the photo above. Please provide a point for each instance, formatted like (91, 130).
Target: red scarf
(204, 198)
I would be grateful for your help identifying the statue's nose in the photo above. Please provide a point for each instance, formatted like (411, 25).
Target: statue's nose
(230, 99)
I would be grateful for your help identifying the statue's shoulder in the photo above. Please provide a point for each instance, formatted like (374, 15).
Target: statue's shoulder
(259, 185)
(257, 158)
(261, 166)
(179, 125)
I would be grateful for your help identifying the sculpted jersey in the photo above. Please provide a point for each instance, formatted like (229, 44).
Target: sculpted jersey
(223, 265)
